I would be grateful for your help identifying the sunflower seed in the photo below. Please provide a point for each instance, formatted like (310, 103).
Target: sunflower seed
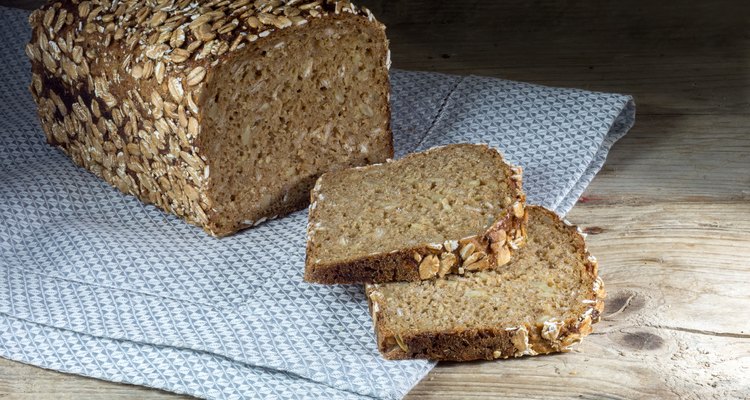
(137, 72)
(69, 68)
(467, 250)
(282, 22)
(204, 33)
(236, 43)
(177, 38)
(158, 104)
(170, 109)
(148, 69)
(49, 16)
(192, 128)
(502, 256)
(476, 256)
(95, 108)
(191, 104)
(201, 20)
(175, 89)
(157, 19)
(54, 50)
(156, 51)
(297, 20)
(49, 62)
(429, 267)
(309, 5)
(94, 13)
(159, 72)
(181, 117)
(83, 9)
(31, 52)
(163, 37)
(253, 22)
(220, 49)
(162, 126)
(178, 55)
(195, 76)
(228, 27)
(291, 11)
(267, 19)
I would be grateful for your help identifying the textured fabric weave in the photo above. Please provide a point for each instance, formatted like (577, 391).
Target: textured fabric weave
(93, 282)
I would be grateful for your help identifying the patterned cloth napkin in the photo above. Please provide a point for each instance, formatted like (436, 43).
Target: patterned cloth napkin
(95, 283)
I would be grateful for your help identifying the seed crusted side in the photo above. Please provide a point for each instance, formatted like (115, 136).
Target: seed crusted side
(492, 248)
(548, 335)
(117, 84)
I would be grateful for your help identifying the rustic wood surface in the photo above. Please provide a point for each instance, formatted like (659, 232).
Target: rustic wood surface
(668, 216)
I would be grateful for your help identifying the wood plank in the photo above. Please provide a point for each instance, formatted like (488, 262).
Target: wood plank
(24, 382)
(627, 365)
(677, 158)
(688, 262)
(677, 276)
(695, 257)
(692, 58)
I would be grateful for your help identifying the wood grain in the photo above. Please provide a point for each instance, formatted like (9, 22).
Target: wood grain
(24, 382)
(675, 274)
(677, 158)
(690, 58)
(668, 216)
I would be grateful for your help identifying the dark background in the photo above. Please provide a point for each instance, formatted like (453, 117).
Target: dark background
(674, 56)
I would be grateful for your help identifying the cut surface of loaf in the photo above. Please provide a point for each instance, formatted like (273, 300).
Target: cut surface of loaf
(543, 301)
(446, 210)
(223, 113)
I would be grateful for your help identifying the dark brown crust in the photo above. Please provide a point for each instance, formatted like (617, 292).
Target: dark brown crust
(494, 342)
(453, 346)
(402, 265)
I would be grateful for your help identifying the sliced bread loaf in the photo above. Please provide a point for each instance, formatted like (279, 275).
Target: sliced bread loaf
(222, 112)
(447, 210)
(542, 301)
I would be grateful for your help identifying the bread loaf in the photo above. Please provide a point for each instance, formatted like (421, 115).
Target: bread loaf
(543, 301)
(446, 210)
(222, 112)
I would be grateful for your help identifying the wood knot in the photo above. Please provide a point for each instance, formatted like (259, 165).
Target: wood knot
(641, 341)
(587, 199)
(623, 302)
(593, 230)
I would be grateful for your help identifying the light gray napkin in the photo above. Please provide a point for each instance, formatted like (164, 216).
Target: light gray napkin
(95, 283)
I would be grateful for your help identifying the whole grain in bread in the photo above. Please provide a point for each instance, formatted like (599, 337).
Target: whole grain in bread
(543, 301)
(447, 210)
(221, 112)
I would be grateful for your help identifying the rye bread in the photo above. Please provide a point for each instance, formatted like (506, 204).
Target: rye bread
(224, 113)
(447, 210)
(543, 301)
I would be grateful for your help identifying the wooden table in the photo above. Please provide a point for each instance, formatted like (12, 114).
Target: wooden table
(668, 216)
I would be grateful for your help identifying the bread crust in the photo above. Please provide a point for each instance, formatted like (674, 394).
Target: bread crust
(499, 242)
(119, 87)
(403, 265)
(495, 342)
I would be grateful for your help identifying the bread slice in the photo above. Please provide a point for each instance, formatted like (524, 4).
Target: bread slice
(542, 301)
(222, 112)
(446, 210)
